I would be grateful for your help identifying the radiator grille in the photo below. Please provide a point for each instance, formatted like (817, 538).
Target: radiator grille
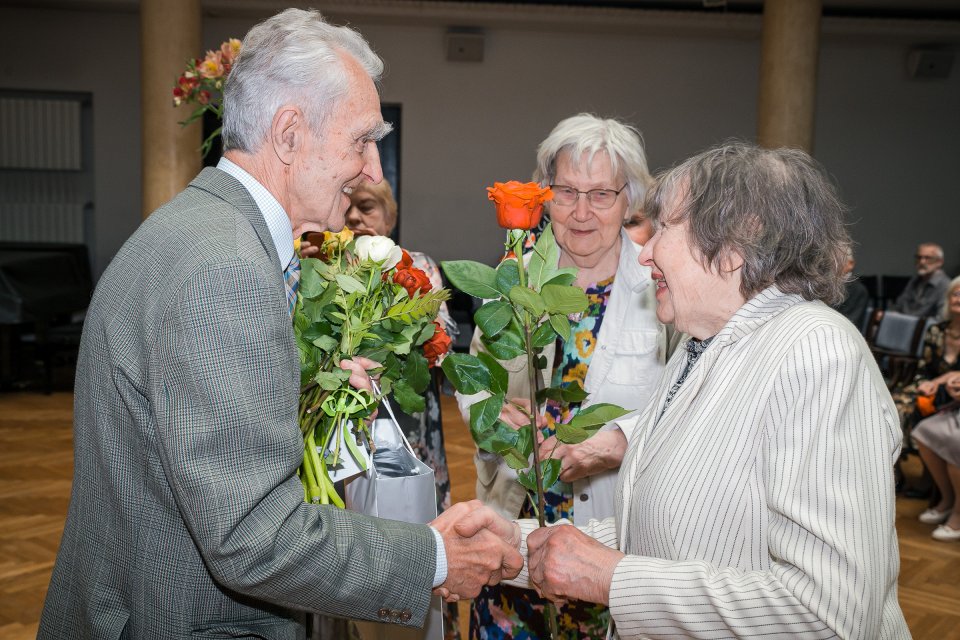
(40, 133)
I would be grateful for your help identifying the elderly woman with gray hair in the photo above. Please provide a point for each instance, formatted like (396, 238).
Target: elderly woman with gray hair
(756, 496)
(598, 173)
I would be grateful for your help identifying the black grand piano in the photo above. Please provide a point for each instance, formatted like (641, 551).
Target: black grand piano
(43, 287)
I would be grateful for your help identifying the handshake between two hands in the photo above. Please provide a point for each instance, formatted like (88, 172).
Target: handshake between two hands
(483, 548)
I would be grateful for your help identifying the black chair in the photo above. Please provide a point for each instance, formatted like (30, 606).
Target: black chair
(872, 283)
(891, 288)
(896, 340)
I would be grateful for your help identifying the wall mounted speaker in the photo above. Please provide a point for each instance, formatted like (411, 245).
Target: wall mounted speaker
(929, 63)
(464, 46)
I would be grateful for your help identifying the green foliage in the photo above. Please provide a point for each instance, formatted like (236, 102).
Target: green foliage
(517, 299)
(478, 280)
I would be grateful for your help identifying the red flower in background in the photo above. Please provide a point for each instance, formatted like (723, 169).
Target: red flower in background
(436, 346)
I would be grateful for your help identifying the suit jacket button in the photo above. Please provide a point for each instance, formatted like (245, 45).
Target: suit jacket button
(384, 613)
(406, 615)
(396, 615)
(584, 497)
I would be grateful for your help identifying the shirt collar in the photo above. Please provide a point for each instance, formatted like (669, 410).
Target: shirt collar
(278, 222)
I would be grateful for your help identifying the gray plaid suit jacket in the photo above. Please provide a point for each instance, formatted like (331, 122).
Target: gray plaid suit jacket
(187, 518)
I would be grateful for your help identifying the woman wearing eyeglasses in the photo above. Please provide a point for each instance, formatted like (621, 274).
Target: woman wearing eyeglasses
(597, 170)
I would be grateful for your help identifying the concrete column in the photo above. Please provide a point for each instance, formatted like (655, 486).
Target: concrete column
(788, 73)
(170, 156)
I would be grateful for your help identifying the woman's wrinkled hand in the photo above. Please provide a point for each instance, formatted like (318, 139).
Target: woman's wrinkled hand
(601, 452)
(516, 412)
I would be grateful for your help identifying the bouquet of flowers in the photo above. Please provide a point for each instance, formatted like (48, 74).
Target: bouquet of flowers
(202, 84)
(361, 297)
(526, 308)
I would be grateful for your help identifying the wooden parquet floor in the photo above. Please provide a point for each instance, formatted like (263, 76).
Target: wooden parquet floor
(36, 467)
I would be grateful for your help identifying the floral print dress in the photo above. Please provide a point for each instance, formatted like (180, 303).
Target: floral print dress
(503, 612)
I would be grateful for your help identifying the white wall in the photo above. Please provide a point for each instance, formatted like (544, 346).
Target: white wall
(890, 142)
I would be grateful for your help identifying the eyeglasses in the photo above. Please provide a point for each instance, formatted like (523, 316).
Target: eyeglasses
(954, 294)
(920, 258)
(600, 198)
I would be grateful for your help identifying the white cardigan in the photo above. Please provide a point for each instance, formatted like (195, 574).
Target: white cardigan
(761, 503)
(627, 362)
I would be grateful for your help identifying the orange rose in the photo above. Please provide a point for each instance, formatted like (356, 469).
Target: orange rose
(412, 279)
(436, 346)
(519, 205)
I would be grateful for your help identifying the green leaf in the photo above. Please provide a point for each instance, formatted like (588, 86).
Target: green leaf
(506, 346)
(597, 415)
(524, 445)
(563, 277)
(484, 414)
(325, 343)
(473, 278)
(498, 375)
(564, 300)
(467, 373)
(331, 380)
(493, 316)
(508, 276)
(544, 335)
(543, 260)
(416, 372)
(550, 468)
(514, 460)
(561, 325)
(569, 393)
(350, 284)
(529, 300)
(572, 434)
(409, 400)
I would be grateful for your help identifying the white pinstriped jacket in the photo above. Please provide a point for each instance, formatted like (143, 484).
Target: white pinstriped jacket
(761, 502)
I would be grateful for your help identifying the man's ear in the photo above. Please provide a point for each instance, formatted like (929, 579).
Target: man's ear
(287, 132)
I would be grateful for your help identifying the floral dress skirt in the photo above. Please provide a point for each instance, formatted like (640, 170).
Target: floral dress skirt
(503, 612)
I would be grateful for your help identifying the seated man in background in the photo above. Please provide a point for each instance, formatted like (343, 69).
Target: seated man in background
(855, 294)
(923, 295)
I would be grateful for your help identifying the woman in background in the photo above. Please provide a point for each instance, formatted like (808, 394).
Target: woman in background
(597, 171)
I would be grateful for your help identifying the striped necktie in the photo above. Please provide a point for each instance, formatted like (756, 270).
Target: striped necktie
(291, 281)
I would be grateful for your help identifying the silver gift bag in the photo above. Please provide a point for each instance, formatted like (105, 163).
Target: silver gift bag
(396, 486)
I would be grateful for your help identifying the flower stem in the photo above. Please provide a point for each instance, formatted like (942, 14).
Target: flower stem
(550, 611)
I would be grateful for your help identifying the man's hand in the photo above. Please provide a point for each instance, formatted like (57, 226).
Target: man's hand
(359, 378)
(602, 451)
(519, 417)
(481, 547)
(566, 564)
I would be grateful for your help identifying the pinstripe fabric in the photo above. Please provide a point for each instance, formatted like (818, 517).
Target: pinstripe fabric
(761, 503)
(187, 518)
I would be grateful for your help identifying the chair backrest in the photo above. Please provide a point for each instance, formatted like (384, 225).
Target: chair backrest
(926, 325)
(899, 333)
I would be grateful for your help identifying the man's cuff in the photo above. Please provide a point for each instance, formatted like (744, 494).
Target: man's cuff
(441, 574)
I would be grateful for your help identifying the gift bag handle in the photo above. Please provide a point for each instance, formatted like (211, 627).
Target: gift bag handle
(393, 419)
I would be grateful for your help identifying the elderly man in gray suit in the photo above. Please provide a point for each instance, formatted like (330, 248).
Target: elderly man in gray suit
(187, 517)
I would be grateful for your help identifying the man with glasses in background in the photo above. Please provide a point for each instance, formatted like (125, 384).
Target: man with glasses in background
(923, 295)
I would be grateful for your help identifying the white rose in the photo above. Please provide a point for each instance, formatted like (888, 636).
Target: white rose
(378, 249)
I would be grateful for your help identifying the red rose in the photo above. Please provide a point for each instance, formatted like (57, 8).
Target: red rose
(519, 205)
(436, 346)
(412, 279)
(405, 261)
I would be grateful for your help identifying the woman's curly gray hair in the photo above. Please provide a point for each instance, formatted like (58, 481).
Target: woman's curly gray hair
(775, 208)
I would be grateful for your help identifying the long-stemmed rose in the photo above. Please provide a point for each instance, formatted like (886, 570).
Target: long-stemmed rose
(526, 308)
